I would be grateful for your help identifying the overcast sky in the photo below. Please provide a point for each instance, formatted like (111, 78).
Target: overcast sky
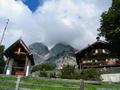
(52, 21)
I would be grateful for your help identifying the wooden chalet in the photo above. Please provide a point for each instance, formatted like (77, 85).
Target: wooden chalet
(96, 55)
(18, 59)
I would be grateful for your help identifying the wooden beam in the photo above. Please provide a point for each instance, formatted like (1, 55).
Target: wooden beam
(19, 49)
(19, 53)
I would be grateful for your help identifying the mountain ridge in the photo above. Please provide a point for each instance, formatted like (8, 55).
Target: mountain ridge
(59, 54)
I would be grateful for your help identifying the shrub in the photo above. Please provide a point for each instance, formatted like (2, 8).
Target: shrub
(2, 63)
(90, 74)
(43, 74)
(43, 67)
(87, 74)
(68, 71)
(52, 75)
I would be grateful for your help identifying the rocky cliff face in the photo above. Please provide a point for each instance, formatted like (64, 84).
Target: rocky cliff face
(60, 48)
(39, 51)
(59, 55)
(62, 59)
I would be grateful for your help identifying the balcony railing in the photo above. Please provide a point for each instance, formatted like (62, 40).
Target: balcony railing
(100, 64)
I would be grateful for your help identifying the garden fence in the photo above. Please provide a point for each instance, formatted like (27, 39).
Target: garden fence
(18, 83)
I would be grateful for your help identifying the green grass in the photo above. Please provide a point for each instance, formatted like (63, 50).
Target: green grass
(7, 84)
(46, 87)
(67, 84)
(51, 88)
(94, 87)
(46, 84)
(50, 82)
(7, 77)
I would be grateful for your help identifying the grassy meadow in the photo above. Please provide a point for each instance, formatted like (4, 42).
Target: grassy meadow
(9, 83)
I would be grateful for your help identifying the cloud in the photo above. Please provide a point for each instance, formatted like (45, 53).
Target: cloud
(70, 21)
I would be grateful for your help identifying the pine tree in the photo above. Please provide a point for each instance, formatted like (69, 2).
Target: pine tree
(2, 63)
(110, 26)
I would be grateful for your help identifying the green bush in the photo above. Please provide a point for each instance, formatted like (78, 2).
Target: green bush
(52, 75)
(2, 47)
(43, 74)
(2, 63)
(43, 67)
(90, 74)
(87, 74)
(68, 72)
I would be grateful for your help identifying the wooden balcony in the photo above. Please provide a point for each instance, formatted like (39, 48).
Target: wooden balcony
(100, 64)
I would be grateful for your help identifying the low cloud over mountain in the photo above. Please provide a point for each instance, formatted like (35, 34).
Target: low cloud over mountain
(74, 22)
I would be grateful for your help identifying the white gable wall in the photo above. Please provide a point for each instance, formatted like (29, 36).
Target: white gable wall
(111, 77)
(28, 68)
(9, 68)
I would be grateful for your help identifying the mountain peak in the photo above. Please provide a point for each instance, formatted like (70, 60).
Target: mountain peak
(39, 48)
(61, 47)
(59, 54)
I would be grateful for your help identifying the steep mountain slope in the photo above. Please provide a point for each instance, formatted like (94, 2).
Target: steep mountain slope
(59, 55)
(60, 48)
(62, 59)
(39, 51)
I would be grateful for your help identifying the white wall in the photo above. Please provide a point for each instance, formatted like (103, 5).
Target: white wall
(111, 77)
(28, 68)
(9, 68)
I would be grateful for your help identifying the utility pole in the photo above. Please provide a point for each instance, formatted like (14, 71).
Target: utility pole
(3, 34)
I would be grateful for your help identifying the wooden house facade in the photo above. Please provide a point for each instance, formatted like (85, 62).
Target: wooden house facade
(96, 55)
(18, 59)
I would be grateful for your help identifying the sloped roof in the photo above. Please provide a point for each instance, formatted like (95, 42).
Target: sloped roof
(89, 47)
(19, 42)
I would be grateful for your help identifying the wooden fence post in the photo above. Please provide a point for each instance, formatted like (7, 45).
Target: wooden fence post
(18, 82)
(81, 84)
